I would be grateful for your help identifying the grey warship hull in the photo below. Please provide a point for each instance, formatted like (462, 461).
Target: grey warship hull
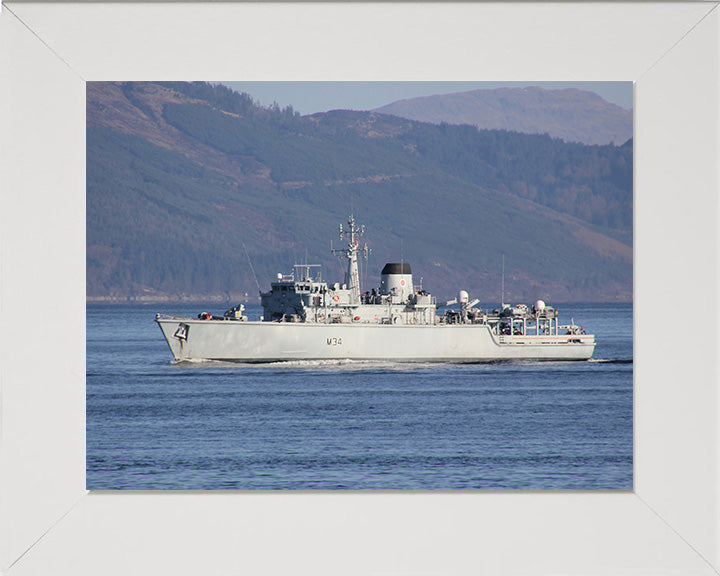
(280, 341)
(307, 319)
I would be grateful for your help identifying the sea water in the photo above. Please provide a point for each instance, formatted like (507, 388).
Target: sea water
(354, 425)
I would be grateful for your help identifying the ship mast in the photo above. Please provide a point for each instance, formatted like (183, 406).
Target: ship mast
(352, 277)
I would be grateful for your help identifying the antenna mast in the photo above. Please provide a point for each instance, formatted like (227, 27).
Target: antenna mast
(352, 278)
(533, 299)
(502, 285)
(251, 267)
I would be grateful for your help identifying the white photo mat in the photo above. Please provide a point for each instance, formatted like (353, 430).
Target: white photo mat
(670, 523)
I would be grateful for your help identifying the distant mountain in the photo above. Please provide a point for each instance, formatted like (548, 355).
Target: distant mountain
(570, 114)
(187, 183)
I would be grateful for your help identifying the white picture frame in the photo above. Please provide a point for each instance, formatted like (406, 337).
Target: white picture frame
(669, 523)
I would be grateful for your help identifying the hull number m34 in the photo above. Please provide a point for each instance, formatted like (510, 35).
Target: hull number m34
(334, 341)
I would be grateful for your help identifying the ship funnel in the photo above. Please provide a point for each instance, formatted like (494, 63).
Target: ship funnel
(396, 278)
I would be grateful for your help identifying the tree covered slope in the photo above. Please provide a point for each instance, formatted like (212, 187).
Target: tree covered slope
(186, 182)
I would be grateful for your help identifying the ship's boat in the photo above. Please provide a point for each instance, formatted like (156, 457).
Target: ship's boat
(305, 318)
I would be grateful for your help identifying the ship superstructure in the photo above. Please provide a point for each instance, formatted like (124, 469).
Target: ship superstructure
(305, 318)
(298, 297)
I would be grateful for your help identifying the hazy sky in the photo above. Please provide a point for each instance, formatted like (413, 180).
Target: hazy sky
(311, 97)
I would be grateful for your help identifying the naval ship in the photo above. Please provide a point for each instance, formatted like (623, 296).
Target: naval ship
(305, 318)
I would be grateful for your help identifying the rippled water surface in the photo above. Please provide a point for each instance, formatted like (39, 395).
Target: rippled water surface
(153, 424)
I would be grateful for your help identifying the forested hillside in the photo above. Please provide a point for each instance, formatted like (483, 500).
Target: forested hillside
(188, 182)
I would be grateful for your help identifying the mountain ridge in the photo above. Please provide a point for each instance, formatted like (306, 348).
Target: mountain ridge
(570, 114)
(182, 177)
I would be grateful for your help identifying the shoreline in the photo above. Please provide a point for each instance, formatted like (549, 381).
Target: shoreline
(180, 299)
(225, 301)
